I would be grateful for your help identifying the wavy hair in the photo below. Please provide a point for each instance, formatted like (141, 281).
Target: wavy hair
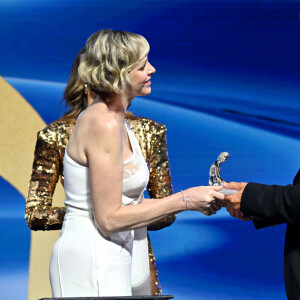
(74, 94)
(108, 58)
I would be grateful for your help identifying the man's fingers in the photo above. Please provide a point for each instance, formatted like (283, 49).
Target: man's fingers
(229, 198)
(206, 212)
(217, 205)
(224, 202)
(232, 185)
(214, 208)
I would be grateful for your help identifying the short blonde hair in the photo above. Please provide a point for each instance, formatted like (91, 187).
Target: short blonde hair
(108, 58)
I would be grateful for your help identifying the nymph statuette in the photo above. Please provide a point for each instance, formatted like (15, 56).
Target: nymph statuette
(215, 171)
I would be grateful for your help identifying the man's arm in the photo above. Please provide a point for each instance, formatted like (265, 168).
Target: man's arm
(266, 205)
(274, 203)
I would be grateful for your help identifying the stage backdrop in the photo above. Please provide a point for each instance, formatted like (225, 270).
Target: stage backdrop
(227, 80)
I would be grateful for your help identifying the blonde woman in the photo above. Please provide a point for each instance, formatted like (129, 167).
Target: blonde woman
(48, 170)
(105, 176)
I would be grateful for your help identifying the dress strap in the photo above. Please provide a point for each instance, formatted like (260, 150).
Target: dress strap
(134, 142)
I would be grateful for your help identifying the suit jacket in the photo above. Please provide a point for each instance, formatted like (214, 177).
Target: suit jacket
(48, 169)
(271, 205)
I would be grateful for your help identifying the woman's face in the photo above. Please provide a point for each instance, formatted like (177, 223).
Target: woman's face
(140, 78)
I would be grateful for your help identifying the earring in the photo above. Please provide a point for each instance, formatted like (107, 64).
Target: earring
(85, 88)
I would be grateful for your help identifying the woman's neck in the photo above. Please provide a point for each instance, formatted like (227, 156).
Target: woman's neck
(115, 104)
(118, 104)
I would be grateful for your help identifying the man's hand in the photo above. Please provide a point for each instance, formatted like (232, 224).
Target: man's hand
(233, 202)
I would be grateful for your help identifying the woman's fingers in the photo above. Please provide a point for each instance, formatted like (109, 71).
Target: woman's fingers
(206, 199)
(218, 195)
(215, 188)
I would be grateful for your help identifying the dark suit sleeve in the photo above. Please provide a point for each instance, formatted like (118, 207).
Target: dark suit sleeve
(271, 204)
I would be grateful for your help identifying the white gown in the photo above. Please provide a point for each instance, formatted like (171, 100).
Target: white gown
(83, 261)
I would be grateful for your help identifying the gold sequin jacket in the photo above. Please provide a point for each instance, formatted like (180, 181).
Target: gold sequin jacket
(48, 170)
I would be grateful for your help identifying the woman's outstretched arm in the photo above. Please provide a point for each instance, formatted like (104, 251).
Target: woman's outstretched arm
(104, 152)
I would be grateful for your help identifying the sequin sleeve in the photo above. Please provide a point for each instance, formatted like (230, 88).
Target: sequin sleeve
(160, 184)
(39, 213)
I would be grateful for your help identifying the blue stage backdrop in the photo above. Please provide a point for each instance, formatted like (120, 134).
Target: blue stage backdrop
(227, 80)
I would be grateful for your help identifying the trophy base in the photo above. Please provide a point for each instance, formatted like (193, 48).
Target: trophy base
(227, 191)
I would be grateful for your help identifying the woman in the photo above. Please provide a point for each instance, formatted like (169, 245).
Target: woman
(105, 176)
(48, 169)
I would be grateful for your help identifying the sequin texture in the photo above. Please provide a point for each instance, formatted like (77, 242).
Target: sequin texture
(47, 170)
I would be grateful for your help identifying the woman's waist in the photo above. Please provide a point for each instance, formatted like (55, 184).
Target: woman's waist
(73, 211)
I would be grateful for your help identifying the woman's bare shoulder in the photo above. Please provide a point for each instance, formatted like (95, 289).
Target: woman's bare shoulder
(99, 129)
(98, 121)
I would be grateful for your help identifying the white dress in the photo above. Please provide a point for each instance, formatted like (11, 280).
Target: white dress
(83, 261)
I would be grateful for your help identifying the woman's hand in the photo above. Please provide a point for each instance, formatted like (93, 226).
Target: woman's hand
(205, 199)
